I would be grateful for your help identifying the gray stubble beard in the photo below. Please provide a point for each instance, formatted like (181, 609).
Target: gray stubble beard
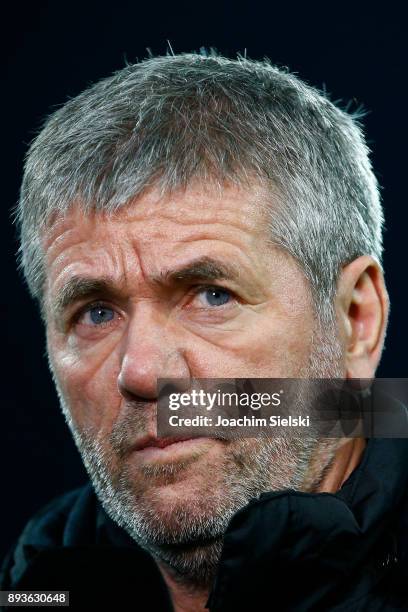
(188, 538)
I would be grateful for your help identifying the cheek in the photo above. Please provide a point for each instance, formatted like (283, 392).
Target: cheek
(88, 384)
(266, 344)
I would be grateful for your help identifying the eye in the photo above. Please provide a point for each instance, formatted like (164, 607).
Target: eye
(97, 315)
(214, 296)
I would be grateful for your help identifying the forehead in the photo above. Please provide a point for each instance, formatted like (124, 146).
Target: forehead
(160, 225)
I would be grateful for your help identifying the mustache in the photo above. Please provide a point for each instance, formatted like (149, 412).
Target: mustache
(138, 418)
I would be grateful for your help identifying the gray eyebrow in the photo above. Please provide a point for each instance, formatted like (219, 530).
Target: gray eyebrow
(205, 268)
(80, 287)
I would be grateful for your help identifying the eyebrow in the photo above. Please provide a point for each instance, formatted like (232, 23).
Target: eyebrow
(205, 268)
(82, 287)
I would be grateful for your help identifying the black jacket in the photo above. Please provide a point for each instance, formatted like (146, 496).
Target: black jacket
(286, 550)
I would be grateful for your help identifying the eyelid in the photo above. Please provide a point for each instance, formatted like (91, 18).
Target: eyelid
(198, 288)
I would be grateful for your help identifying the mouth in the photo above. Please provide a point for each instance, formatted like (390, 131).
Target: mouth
(151, 447)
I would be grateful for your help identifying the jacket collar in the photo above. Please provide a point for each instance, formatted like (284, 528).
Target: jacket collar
(308, 550)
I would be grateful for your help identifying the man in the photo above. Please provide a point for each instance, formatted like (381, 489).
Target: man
(197, 217)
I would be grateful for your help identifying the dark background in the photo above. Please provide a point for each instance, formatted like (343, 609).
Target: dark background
(54, 50)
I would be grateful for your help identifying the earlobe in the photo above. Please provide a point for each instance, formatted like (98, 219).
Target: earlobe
(363, 309)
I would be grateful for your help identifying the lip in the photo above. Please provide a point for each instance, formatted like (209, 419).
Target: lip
(153, 442)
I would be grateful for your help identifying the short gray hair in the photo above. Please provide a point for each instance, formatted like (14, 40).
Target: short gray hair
(169, 120)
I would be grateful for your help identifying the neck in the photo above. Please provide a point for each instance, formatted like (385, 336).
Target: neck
(344, 462)
(185, 598)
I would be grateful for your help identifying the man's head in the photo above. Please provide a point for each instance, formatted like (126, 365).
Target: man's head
(198, 217)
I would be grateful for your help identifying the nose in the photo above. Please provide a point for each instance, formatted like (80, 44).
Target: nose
(150, 350)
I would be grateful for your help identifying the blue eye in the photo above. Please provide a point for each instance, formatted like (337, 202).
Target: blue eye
(100, 314)
(215, 296)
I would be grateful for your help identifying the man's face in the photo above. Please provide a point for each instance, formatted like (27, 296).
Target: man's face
(181, 286)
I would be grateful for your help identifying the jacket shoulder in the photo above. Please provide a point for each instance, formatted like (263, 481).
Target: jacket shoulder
(61, 522)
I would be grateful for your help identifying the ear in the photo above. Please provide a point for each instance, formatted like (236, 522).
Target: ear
(362, 306)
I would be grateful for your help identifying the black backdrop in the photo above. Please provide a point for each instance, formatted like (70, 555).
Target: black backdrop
(53, 50)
